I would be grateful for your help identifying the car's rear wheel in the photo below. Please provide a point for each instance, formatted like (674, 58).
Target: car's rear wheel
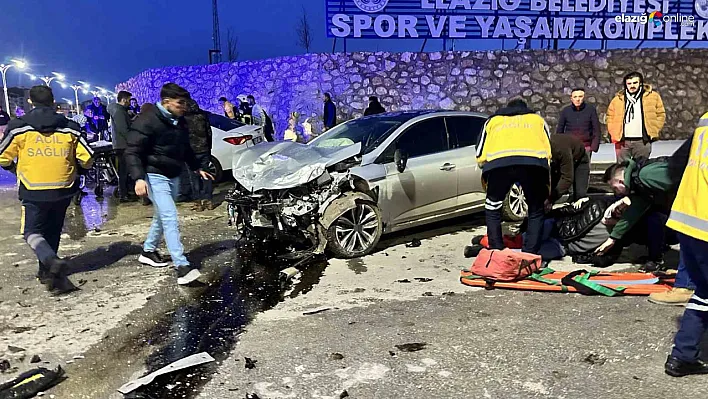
(215, 169)
(357, 232)
(515, 207)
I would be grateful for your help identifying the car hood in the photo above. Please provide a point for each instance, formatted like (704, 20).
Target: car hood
(283, 165)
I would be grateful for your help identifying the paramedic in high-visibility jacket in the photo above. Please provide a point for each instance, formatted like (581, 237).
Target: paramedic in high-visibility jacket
(45, 149)
(689, 217)
(514, 147)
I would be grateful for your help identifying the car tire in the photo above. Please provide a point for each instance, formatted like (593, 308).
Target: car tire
(515, 208)
(215, 169)
(355, 233)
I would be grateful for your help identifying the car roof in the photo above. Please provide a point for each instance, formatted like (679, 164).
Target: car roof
(404, 116)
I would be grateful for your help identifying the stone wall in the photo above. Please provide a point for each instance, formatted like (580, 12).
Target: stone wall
(476, 81)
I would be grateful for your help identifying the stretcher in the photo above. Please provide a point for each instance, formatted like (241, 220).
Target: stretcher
(603, 283)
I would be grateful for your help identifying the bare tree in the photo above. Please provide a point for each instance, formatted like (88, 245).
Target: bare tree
(231, 46)
(304, 31)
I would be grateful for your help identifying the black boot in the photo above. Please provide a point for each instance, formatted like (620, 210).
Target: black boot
(43, 274)
(471, 251)
(679, 368)
(57, 281)
(653, 266)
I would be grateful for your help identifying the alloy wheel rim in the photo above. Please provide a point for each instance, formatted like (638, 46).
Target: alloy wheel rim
(517, 201)
(356, 230)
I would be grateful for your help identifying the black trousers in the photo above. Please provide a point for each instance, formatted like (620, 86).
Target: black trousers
(581, 179)
(535, 182)
(41, 226)
(124, 186)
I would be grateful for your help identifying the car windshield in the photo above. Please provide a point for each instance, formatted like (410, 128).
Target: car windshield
(370, 132)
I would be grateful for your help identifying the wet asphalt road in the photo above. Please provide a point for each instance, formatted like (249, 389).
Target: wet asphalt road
(239, 283)
(479, 344)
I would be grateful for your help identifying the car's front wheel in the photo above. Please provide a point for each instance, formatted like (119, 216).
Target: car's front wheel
(356, 232)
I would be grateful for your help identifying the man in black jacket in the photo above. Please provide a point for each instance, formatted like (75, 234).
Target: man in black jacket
(4, 120)
(570, 167)
(120, 124)
(200, 141)
(158, 146)
(580, 120)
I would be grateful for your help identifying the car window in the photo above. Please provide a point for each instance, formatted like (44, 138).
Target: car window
(464, 130)
(424, 138)
(370, 132)
(223, 123)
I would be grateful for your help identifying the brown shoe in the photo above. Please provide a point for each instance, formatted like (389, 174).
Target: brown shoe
(208, 205)
(674, 297)
(198, 206)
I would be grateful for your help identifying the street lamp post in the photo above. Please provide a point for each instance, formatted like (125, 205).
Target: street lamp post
(105, 93)
(3, 69)
(84, 87)
(68, 102)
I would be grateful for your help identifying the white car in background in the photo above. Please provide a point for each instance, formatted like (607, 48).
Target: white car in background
(229, 138)
(605, 156)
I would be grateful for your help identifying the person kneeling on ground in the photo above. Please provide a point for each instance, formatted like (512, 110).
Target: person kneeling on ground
(158, 146)
(650, 189)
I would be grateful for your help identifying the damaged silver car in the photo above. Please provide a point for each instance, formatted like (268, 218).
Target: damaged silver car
(359, 180)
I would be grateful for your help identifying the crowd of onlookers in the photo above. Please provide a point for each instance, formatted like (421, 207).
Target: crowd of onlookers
(246, 110)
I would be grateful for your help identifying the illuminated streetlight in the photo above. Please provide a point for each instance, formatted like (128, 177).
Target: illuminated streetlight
(48, 79)
(19, 64)
(105, 93)
(76, 89)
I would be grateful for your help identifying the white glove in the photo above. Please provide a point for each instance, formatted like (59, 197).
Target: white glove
(579, 203)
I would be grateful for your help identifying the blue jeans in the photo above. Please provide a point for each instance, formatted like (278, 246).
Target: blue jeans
(695, 319)
(162, 192)
(683, 279)
(550, 247)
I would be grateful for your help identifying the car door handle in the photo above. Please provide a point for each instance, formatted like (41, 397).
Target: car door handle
(448, 166)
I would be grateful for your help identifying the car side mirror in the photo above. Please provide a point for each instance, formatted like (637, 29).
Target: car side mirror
(400, 157)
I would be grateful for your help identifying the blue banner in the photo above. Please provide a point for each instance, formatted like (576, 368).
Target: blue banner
(519, 19)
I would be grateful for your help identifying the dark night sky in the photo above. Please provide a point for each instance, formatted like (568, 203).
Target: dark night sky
(106, 42)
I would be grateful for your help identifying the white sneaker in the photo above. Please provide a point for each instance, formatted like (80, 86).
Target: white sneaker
(185, 275)
(152, 259)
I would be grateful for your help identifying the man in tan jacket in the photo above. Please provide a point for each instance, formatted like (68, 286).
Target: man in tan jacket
(635, 118)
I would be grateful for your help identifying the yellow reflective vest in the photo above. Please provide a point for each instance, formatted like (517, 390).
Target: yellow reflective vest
(46, 150)
(689, 213)
(514, 139)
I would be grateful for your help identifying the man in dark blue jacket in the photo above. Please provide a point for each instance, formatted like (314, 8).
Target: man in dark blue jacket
(580, 119)
(330, 112)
